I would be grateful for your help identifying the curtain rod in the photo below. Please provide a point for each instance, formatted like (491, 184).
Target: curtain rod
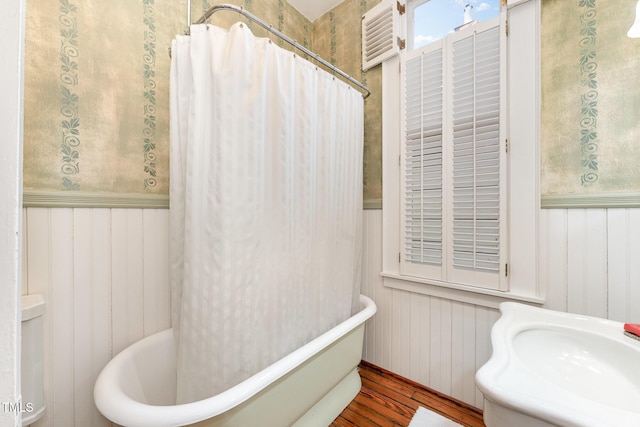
(283, 36)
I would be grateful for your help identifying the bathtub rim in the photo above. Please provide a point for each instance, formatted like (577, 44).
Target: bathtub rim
(517, 318)
(112, 400)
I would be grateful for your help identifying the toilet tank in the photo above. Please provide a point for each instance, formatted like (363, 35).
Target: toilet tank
(32, 358)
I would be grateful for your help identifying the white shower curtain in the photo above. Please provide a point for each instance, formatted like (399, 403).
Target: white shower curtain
(266, 204)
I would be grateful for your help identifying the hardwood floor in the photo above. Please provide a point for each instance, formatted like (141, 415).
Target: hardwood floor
(388, 400)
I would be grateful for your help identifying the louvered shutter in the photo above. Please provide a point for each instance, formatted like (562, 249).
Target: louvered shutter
(422, 162)
(380, 33)
(452, 161)
(475, 107)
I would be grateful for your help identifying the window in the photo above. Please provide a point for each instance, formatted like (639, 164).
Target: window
(432, 20)
(457, 222)
(452, 159)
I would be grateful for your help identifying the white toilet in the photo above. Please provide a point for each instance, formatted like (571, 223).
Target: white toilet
(32, 359)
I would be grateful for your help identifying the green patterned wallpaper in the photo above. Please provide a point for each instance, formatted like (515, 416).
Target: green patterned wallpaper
(590, 111)
(97, 95)
(97, 73)
(337, 38)
(278, 13)
(97, 88)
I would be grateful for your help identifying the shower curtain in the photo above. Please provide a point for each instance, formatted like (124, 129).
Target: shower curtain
(266, 204)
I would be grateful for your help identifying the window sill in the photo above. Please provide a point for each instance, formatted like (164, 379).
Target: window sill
(466, 294)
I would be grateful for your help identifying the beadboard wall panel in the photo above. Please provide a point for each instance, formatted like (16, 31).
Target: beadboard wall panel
(104, 277)
(552, 257)
(588, 263)
(623, 246)
(434, 341)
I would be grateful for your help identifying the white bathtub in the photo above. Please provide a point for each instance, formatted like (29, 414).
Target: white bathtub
(309, 387)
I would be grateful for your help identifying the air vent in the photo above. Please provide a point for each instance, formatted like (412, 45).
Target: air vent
(380, 33)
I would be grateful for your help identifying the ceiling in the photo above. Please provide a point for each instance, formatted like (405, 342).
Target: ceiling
(313, 9)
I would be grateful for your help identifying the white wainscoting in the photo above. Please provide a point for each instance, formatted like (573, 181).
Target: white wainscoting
(434, 341)
(589, 263)
(104, 276)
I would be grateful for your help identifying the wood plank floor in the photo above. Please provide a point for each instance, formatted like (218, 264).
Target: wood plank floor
(388, 400)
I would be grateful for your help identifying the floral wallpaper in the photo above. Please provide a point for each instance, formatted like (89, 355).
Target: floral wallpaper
(70, 122)
(97, 95)
(97, 91)
(338, 38)
(97, 87)
(590, 111)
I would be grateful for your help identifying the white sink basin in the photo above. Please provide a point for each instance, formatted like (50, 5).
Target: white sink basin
(582, 363)
(552, 368)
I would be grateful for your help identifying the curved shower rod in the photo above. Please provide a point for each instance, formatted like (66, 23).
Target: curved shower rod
(283, 36)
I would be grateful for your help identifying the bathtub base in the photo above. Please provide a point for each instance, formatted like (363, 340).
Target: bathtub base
(321, 414)
(331, 406)
(312, 395)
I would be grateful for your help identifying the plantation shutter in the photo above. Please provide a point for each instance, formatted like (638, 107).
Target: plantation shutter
(453, 160)
(475, 106)
(380, 33)
(423, 161)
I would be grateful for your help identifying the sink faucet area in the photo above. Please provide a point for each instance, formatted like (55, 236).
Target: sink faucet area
(551, 368)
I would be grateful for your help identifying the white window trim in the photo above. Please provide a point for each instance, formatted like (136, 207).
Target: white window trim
(411, 7)
(523, 192)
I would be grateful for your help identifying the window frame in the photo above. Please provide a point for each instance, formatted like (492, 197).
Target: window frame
(447, 273)
(411, 6)
(522, 69)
